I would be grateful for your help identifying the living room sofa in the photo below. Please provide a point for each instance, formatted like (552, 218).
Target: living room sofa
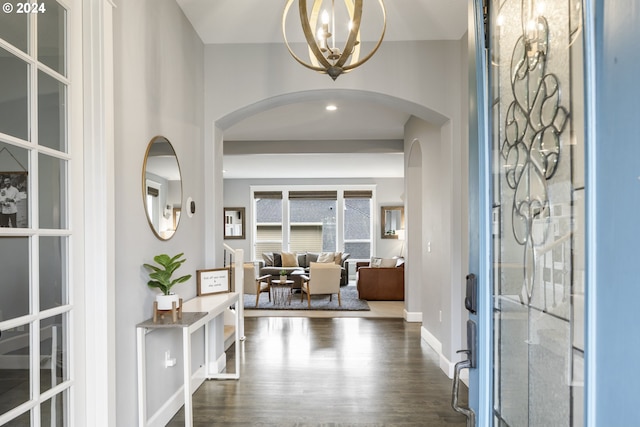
(380, 283)
(271, 264)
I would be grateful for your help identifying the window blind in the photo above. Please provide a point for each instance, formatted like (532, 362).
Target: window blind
(267, 195)
(358, 194)
(315, 195)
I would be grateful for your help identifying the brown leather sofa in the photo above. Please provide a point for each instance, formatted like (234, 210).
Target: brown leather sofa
(380, 283)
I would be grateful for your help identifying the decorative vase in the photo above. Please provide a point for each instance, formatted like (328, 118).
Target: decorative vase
(283, 279)
(165, 301)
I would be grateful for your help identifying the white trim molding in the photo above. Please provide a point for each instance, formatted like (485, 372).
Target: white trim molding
(412, 317)
(445, 364)
(97, 187)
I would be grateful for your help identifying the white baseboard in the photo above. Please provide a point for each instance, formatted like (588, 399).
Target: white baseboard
(445, 364)
(412, 317)
(431, 340)
(171, 407)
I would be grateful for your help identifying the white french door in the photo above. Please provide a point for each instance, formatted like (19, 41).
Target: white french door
(36, 307)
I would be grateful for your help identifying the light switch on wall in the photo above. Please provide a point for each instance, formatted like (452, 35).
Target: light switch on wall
(428, 246)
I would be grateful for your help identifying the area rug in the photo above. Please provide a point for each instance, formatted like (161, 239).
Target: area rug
(348, 294)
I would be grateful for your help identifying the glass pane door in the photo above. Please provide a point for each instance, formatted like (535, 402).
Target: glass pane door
(35, 232)
(536, 101)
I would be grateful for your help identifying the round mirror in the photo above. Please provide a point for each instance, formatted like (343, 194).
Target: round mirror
(162, 188)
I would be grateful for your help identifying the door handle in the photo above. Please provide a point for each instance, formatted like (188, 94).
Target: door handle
(470, 363)
(467, 412)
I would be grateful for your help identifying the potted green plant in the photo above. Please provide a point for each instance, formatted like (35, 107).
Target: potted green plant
(283, 275)
(161, 278)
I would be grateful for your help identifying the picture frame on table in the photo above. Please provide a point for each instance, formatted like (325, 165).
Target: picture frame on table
(212, 281)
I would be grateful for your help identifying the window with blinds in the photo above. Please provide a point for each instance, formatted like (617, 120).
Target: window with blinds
(312, 221)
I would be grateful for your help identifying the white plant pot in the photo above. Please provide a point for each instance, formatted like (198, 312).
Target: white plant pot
(283, 279)
(164, 301)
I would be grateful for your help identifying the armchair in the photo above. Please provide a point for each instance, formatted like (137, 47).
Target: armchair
(323, 279)
(254, 285)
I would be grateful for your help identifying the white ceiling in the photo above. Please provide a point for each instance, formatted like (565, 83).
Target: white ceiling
(217, 21)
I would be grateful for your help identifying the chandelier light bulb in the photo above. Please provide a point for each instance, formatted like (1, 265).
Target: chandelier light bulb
(325, 18)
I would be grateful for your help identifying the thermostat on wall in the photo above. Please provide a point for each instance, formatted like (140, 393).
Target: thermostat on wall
(191, 207)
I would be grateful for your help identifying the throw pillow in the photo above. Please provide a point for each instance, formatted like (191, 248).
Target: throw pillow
(312, 257)
(337, 258)
(302, 260)
(277, 259)
(375, 262)
(326, 257)
(388, 262)
(268, 259)
(289, 259)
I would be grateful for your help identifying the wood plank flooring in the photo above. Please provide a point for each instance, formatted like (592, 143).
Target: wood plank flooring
(299, 372)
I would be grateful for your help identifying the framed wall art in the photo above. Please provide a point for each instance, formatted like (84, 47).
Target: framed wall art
(212, 281)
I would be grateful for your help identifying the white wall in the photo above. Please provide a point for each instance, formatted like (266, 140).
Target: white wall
(158, 65)
(389, 192)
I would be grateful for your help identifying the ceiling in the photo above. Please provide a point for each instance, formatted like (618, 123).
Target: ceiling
(216, 22)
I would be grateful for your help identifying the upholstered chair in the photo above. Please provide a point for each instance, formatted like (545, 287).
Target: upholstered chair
(323, 279)
(254, 285)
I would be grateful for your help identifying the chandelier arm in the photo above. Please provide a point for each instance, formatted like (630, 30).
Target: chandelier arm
(308, 34)
(366, 58)
(353, 35)
(286, 42)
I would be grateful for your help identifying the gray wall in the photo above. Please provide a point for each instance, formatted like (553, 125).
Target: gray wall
(436, 231)
(158, 91)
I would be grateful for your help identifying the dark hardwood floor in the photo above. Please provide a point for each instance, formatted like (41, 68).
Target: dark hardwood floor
(336, 372)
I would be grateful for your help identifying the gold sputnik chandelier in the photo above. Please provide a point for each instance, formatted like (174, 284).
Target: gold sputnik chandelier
(321, 33)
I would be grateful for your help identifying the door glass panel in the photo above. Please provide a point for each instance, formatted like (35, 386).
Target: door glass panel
(15, 386)
(22, 421)
(14, 96)
(51, 112)
(14, 186)
(53, 355)
(536, 70)
(14, 29)
(52, 186)
(14, 264)
(52, 411)
(53, 261)
(51, 36)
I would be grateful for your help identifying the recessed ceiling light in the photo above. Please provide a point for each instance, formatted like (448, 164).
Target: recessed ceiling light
(331, 108)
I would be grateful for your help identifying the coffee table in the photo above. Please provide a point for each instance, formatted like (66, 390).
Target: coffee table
(281, 291)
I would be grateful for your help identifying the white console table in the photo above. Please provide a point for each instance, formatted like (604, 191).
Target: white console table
(196, 313)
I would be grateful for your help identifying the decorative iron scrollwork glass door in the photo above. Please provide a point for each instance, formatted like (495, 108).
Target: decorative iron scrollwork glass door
(536, 95)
